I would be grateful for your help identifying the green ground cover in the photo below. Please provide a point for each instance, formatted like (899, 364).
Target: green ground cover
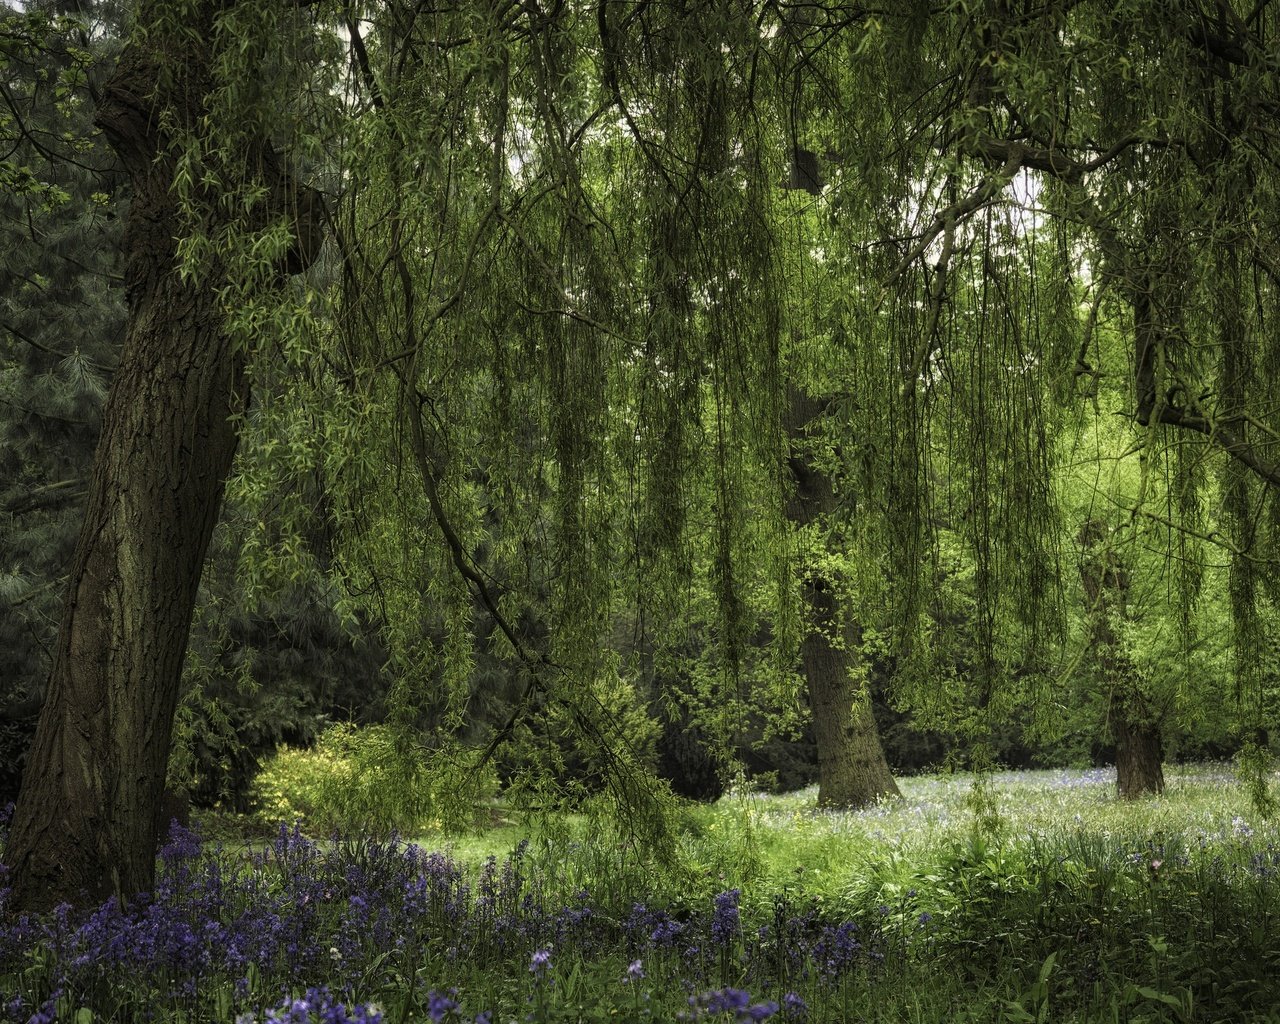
(1035, 897)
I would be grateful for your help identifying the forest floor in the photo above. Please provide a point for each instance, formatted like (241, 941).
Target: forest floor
(1034, 896)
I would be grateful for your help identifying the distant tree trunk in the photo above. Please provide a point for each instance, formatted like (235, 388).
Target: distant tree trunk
(852, 770)
(88, 816)
(1134, 727)
(686, 759)
(1139, 749)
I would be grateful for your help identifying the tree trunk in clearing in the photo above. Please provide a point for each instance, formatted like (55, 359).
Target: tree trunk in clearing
(852, 770)
(1135, 729)
(1139, 750)
(88, 816)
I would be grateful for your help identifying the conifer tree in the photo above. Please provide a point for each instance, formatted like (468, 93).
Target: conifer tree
(61, 321)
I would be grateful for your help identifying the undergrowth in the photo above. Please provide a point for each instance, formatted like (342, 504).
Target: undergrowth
(1161, 911)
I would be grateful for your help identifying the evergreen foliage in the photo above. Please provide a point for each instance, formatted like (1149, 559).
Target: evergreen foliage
(61, 321)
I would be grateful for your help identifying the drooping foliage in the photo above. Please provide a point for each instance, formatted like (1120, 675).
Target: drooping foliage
(1002, 176)
(561, 297)
(588, 250)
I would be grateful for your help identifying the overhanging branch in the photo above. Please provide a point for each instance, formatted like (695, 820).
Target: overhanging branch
(1238, 447)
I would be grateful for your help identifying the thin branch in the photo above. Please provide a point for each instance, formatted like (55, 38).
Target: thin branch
(22, 336)
(950, 217)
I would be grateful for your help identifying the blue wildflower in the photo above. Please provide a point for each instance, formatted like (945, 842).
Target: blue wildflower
(440, 1005)
(666, 933)
(734, 1001)
(724, 921)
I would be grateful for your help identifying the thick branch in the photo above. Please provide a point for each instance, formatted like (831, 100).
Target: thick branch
(1225, 438)
(1053, 161)
(48, 496)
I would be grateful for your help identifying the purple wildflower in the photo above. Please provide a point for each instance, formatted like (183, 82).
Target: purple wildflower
(724, 922)
(320, 1003)
(440, 1005)
(183, 844)
(666, 933)
(735, 1001)
(722, 1000)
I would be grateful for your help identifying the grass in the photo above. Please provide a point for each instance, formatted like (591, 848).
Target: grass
(899, 837)
(1042, 899)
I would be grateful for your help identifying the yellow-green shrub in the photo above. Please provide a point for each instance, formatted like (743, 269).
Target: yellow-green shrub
(368, 778)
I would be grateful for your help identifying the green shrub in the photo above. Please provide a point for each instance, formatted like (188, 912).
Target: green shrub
(375, 778)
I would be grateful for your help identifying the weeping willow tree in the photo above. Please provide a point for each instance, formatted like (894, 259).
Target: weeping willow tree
(1019, 162)
(568, 280)
(561, 287)
(609, 201)
(569, 328)
(217, 226)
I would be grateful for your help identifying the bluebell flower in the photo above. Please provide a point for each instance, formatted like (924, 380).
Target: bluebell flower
(734, 1001)
(725, 919)
(722, 1000)
(319, 1006)
(540, 962)
(440, 1005)
(182, 844)
(666, 932)
(836, 949)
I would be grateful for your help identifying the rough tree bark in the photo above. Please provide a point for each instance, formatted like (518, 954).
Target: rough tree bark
(852, 770)
(88, 816)
(1134, 726)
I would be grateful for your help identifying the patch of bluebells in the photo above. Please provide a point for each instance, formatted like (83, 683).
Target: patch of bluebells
(317, 1006)
(728, 1002)
(357, 925)
(354, 923)
(725, 920)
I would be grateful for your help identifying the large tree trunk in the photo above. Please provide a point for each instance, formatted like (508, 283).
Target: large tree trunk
(88, 816)
(686, 758)
(852, 770)
(1134, 728)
